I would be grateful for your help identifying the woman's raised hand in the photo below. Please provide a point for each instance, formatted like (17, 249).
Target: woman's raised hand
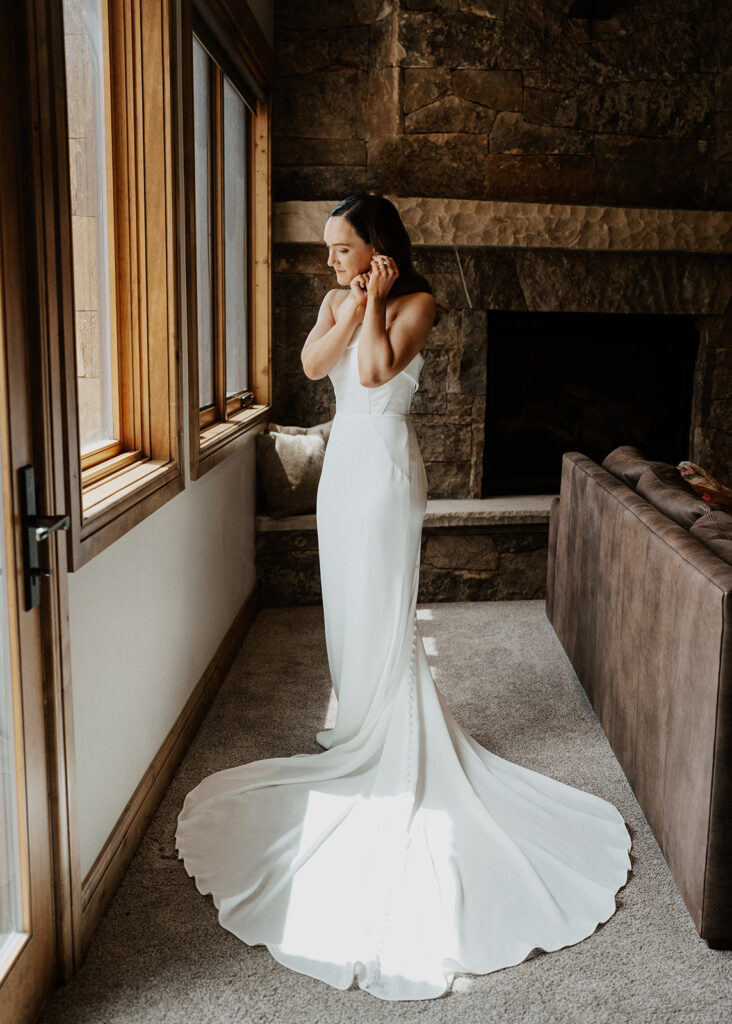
(359, 285)
(384, 273)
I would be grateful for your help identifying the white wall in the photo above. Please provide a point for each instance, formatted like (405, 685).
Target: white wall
(148, 613)
(146, 617)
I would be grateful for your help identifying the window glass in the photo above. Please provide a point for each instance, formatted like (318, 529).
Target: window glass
(236, 219)
(204, 268)
(88, 177)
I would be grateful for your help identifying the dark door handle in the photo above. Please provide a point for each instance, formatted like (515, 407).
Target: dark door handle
(45, 525)
(35, 528)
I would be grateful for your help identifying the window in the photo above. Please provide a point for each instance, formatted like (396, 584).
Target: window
(128, 161)
(122, 371)
(228, 244)
(122, 267)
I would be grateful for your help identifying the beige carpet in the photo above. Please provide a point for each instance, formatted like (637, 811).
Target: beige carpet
(161, 956)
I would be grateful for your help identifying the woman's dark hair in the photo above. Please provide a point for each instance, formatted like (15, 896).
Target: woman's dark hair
(378, 223)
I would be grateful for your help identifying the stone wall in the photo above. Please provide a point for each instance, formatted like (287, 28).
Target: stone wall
(505, 99)
(484, 563)
(510, 100)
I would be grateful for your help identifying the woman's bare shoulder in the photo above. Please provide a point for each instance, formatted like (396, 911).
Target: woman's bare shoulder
(330, 304)
(416, 303)
(417, 298)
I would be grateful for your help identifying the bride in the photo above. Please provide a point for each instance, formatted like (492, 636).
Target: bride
(404, 852)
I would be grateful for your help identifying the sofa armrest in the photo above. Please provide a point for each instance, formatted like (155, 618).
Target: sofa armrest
(643, 611)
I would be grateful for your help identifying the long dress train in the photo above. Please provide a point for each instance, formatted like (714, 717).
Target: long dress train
(405, 851)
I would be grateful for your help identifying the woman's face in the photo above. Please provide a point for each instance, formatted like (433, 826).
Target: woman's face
(348, 254)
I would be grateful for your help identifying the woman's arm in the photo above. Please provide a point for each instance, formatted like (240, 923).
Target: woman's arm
(333, 330)
(382, 352)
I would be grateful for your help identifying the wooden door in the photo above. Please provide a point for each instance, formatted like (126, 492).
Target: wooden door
(27, 914)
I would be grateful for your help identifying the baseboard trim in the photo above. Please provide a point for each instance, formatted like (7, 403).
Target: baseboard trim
(108, 869)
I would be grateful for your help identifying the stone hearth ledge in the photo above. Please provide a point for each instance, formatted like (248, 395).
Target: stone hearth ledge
(467, 222)
(510, 510)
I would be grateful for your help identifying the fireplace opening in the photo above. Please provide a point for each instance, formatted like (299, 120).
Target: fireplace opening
(583, 382)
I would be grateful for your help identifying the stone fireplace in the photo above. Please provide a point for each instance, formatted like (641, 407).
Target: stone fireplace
(547, 157)
(665, 273)
(547, 162)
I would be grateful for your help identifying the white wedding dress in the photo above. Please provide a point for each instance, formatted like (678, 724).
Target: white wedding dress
(405, 851)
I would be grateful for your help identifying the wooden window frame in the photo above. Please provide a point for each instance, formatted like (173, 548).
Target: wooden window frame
(113, 488)
(220, 431)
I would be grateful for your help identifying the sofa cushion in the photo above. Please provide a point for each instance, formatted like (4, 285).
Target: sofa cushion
(627, 463)
(714, 530)
(663, 486)
(289, 467)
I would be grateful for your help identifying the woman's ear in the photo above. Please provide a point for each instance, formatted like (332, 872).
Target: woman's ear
(370, 253)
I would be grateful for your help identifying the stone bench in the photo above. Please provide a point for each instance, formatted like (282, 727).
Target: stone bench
(473, 549)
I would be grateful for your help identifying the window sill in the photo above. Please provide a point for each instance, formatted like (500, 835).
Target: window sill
(114, 504)
(219, 440)
(129, 483)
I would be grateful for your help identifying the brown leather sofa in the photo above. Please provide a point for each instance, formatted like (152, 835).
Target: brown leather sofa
(644, 612)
